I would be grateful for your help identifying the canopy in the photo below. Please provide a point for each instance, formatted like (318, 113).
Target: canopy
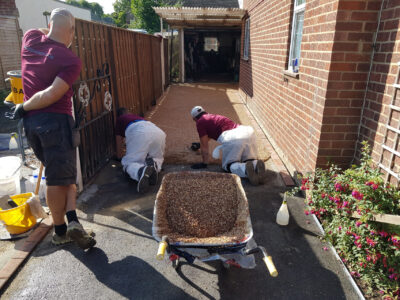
(201, 16)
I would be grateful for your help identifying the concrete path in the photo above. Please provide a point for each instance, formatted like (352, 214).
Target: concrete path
(123, 265)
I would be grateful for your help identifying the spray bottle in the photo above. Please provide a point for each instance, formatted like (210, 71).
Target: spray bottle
(13, 141)
(282, 217)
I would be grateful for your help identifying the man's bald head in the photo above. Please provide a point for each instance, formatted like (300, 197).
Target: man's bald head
(62, 17)
(62, 26)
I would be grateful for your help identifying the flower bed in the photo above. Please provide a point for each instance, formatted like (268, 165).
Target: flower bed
(370, 249)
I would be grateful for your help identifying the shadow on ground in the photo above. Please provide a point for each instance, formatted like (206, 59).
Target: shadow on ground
(123, 263)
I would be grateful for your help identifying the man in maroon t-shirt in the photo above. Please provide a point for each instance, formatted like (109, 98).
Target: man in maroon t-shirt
(145, 145)
(238, 145)
(48, 70)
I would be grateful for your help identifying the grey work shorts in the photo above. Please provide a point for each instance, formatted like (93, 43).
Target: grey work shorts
(49, 135)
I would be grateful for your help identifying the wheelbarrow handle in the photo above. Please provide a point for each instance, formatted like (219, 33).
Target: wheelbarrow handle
(266, 258)
(162, 246)
(270, 266)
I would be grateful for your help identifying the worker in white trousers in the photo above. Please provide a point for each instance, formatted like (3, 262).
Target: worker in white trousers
(145, 146)
(238, 145)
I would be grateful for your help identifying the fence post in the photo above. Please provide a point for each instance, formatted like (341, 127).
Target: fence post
(182, 54)
(162, 58)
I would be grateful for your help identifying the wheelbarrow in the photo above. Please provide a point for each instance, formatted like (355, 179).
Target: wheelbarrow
(237, 252)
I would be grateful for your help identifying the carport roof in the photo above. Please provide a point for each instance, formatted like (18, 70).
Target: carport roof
(201, 16)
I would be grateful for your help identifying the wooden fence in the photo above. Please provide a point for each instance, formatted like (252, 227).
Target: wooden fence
(120, 68)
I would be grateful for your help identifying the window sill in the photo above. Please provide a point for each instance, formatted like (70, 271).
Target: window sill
(290, 74)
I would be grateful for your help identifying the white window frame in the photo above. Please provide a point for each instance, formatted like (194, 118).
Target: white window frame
(246, 45)
(297, 10)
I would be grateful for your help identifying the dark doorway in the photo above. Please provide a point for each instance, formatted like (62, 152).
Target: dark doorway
(212, 55)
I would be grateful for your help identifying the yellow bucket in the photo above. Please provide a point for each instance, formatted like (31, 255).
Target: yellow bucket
(18, 219)
(17, 93)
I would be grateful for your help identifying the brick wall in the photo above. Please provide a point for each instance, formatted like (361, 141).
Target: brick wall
(314, 118)
(289, 109)
(8, 8)
(10, 37)
(380, 87)
(356, 23)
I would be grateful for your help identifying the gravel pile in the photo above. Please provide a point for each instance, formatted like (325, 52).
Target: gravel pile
(202, 207)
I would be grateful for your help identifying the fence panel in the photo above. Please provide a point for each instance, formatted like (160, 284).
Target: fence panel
(157, 68)
(117, 62)
(166, 62)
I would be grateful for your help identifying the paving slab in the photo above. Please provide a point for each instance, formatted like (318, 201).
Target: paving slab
(123, 264)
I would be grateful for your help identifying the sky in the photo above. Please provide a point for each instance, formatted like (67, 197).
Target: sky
(106, 4)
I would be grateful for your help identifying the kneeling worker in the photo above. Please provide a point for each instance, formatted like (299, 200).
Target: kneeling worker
(238, 145)
(145, 145)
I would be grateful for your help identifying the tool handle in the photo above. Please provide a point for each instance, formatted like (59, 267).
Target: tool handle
(270, 266)
(162, 246)
(39, 178)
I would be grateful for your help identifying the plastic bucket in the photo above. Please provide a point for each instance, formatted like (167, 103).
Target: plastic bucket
(10, 170)
(18, 219)
(17, 93)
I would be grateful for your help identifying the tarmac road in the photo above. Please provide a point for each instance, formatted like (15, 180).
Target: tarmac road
(123, 264)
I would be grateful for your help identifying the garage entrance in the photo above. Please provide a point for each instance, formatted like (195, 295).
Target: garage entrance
(212, 55)
(209, 42)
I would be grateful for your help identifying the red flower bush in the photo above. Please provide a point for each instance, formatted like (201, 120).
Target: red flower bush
(371, 250)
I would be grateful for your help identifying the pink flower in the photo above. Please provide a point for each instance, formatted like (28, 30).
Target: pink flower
(358, 223)
(306, 212)
(325, 248)
(340, 228)
(356, 194)
(338, 187)
(370, 242)
(323, 195)
(374, 186)
(345, 204)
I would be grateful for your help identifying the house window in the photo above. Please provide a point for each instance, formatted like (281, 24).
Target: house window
(211, 43)
(246, 40)
(297, 33)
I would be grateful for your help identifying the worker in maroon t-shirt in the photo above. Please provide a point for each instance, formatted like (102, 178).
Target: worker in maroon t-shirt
(48, 70)
(145, 145)
(238, 145)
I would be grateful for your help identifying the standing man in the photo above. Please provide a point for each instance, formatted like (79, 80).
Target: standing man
(238, 144)
(48, 70)
(145, 145)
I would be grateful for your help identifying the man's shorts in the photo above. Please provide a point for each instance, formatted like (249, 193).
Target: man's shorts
(49, 135)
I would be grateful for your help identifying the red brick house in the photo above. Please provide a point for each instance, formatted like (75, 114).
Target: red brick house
(10, 36)
(319, 77)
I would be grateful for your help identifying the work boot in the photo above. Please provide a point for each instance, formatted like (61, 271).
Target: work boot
(144, 175)
(77, 234)
(59, 240)
(260, 171)
(154, 176)
(251, 173)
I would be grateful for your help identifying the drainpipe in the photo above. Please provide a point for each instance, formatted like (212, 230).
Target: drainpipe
(368, 79)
